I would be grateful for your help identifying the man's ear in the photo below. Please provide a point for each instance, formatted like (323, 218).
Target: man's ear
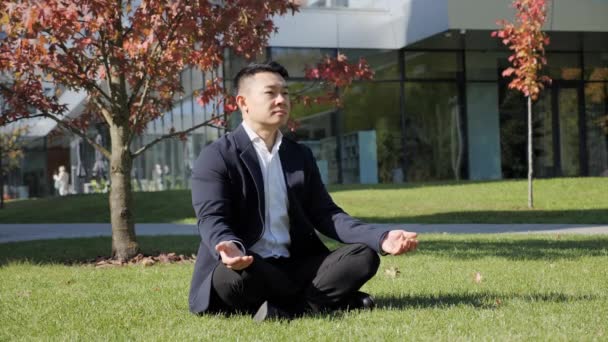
(241, 102)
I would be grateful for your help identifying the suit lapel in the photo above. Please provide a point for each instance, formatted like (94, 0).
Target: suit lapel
(250, 158)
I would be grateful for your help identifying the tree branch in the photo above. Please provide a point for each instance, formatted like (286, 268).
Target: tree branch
(104, 54)
(170, 135)
(79, 133)
(90, 83)
(104, 111)
(21, 118)
(154, 55)
(140, 108)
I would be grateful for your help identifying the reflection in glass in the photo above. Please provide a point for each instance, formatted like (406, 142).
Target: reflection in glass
(432, 65)
(384, 63)
(316, 128)
(542, 136)
(596, 66)
(233, 63)
(447, 40)
(569, 131)
(375, 107)
(596, 102)
(514, 134)
(432, 124)
(563, 66)
(295, 60)
(186, 81)
(483, 66)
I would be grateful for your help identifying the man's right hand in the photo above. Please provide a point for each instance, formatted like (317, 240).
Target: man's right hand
(232, 256)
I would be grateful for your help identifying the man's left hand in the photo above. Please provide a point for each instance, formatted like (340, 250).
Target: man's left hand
(398, 242)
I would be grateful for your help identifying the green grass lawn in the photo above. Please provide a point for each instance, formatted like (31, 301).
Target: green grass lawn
(558, 200)
(533, 288)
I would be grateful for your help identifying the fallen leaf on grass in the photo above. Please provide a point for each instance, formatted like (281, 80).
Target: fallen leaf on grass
(148, 262)
(162, 258)
(24, 293)
(478, 278)
(392, 272)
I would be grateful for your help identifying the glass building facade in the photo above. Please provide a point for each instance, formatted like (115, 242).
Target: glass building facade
(437, 109)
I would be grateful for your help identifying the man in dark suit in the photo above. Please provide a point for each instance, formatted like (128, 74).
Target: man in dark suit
(258, 197)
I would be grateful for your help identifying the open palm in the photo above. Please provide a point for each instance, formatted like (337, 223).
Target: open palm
(397, 242)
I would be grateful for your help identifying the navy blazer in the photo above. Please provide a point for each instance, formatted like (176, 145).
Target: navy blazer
(228, 199)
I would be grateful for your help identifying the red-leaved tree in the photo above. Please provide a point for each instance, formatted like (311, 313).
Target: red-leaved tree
(127, 56)
(527, 41)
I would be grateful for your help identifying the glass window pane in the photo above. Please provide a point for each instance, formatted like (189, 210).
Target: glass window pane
(484, 66)
(432, 148)
(295, 60)
(316, 128)
(233, 63)
(563, 66)
(514, 132)
(432, 65)
(569, 138)
(596, 66)
(482, 40)
(384, 63)
(595, 41)
(187, 81)
(563, 41)
(596, 103)
(197, 79)
(371, 115)
(445, 40)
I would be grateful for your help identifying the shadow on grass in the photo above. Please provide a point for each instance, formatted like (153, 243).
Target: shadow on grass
(479, 300)
(578, 216)
(517, 248)
(484, 301)
(76, 251)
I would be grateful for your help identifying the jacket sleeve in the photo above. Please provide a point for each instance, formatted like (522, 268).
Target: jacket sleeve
(211, 199)
(331, 220)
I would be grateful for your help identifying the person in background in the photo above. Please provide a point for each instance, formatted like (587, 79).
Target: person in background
(62, 181)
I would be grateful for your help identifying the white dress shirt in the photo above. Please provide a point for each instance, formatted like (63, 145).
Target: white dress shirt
(275, 238)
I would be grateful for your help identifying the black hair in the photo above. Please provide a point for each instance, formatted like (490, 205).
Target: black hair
(254, 68)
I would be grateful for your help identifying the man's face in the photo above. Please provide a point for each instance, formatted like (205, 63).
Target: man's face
(264, 99)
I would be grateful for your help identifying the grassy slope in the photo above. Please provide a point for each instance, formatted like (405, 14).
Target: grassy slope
(560, 200)
(533, 288)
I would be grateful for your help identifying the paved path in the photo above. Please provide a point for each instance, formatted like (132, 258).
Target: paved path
(24, 232)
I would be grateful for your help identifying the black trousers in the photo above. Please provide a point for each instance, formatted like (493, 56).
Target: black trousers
(316, 283)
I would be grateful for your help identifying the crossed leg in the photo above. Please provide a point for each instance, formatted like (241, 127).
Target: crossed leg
(315, 283)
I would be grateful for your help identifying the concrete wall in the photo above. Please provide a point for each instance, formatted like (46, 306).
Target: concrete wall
(392, 24)
(563, 15)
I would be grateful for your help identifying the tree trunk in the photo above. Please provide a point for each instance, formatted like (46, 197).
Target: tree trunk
(530, 170)
(124, 244)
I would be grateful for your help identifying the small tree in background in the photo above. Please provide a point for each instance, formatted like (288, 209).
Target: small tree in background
(527, 41)
(127, 57)
(10, 155)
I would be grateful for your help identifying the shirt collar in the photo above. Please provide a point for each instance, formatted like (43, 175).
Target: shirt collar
(255, 138)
